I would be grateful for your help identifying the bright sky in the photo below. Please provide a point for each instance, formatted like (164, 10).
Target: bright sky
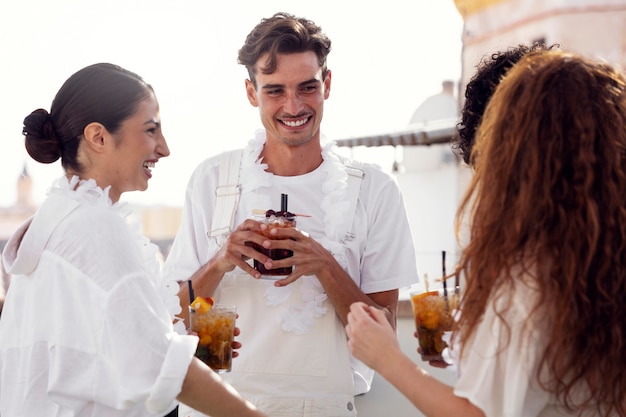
(387, 58)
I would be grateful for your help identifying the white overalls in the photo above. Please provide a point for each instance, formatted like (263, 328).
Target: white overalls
(275, 356)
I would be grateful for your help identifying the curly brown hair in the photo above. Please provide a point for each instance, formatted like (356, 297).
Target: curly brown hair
(481, 86)
(549, 195)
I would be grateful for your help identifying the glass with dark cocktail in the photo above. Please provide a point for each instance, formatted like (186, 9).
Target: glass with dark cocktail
(274, 219)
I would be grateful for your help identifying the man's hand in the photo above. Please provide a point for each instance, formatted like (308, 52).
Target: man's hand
(235, 252)
(309, 256)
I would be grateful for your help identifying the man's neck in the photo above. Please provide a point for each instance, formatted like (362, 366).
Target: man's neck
(289, 161)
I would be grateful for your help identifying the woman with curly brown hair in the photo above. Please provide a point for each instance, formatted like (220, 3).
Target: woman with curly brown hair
(542, 324)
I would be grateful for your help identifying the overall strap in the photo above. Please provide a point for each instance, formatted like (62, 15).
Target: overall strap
(227, 193)
(355, 175)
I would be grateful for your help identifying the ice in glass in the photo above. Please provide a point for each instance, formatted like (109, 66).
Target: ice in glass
(215, 326)
(433, 317)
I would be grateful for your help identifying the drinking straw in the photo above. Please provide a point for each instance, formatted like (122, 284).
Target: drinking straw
(283, 203)
(191, 295)
(443, 269)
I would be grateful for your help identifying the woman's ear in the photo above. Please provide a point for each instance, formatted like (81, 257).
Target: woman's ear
(94, 135)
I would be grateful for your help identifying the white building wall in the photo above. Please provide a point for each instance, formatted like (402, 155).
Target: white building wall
(592, 27)
(430, 188)
(432, 181)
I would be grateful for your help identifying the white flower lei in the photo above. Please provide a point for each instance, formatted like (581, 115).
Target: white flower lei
(337, 220)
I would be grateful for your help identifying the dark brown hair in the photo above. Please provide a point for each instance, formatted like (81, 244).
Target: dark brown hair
(283, 33)
(103, 93)
(478, 91)
(547, 205)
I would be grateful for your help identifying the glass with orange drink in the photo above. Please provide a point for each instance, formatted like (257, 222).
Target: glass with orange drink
(215, 326)
(433, 316)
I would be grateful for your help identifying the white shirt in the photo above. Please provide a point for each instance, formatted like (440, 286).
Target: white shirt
(503, 382)
(374, 246)
(85, 331)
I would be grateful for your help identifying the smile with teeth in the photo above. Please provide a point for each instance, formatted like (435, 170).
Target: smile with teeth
(295, 123)
(148, 165)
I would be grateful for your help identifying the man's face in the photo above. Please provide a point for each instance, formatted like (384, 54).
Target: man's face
(291, 99)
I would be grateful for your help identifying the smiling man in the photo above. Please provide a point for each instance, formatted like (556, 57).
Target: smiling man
(352, 240)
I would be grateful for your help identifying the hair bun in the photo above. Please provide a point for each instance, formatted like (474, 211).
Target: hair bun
(41, 141)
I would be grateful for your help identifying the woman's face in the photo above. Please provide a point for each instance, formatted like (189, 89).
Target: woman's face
(138, 145)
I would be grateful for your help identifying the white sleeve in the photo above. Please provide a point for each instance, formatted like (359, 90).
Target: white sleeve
(115, 341)
(138, 358)
(501, 381)
(388, 260)
(157, 357)
(192, 246)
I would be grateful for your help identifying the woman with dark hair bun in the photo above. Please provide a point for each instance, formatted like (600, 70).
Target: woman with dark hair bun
(103, 92)
(89, 327)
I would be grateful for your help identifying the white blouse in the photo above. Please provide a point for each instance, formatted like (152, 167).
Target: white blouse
(85, 330)
(502, 382)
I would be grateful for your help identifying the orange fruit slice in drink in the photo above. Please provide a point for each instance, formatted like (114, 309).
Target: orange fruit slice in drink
(202, 305)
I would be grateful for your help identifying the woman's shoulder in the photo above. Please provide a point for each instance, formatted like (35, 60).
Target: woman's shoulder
(88, 213)
(98, 219)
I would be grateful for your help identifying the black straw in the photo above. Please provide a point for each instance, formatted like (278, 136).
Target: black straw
(191, 296)
(443, 269)
(283, 203)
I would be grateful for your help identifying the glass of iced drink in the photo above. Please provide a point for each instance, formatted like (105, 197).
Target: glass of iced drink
(215, 326)
(432, 311)
(274, 219)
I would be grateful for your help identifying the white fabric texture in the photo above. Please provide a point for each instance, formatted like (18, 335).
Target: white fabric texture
(500, 381)
(374, 246)
(85, 330)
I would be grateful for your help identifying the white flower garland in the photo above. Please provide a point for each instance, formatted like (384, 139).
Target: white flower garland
(335, 205)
